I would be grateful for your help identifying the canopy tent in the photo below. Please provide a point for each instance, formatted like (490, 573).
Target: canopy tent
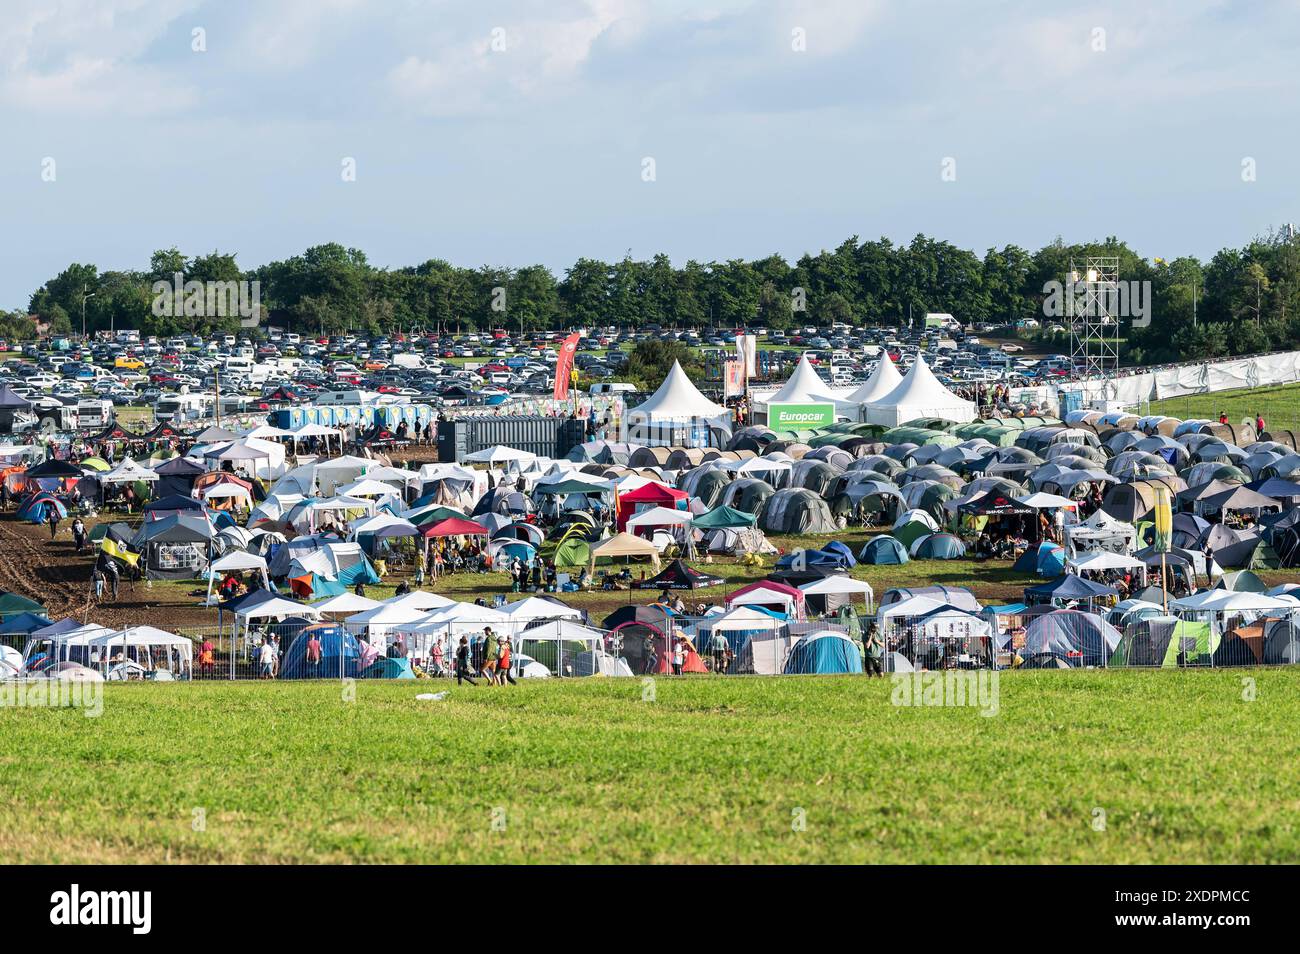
(805, 386)
(498, 455)
(678, 576)
(127, 472)
(538, 607)
(769, 593)
(236, 562)
(678, 415)
(346, 603)
(919, 395)
(884, 379)
(657, 517)
(624, 546)
(723, 518)
(838, 584)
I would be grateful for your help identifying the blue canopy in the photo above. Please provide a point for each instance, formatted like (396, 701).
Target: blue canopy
(1068, 587)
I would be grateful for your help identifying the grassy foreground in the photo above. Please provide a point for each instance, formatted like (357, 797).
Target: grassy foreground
(710, 770)
(1280, 406)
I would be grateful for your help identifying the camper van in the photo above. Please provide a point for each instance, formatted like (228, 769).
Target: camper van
(177, 408)
(245, 366)
(94, 413)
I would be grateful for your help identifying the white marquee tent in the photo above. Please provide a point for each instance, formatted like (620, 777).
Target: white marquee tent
(677, 415)
(919, 395)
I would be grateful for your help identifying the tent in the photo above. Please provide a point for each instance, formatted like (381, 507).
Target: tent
(1067, 587)
(824, 652)
(883, 380)
(770, 594)
(678, 576)
(884, 550)
(678, 415)
(1071, 636)
(648, 497)
(796, 511)
(624, 546)
(723, 517)
(37, 507)
(760, 640)
(1047, 559)
(341, 653)
(919, 395)
(938, 546)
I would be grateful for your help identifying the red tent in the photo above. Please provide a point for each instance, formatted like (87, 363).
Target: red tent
(455, 527)
(646, 496)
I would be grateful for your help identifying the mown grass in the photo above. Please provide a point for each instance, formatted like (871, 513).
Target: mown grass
(712, 770)
(1280, 406)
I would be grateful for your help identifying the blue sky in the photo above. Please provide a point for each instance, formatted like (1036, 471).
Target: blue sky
(534, 152)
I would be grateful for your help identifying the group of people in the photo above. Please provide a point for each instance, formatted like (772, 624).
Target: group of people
(488, 656)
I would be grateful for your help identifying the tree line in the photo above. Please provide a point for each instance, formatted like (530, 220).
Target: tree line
(1242, 301)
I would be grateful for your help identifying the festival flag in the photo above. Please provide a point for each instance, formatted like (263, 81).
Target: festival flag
(1163, 514)
(119, 552)
(564, 366)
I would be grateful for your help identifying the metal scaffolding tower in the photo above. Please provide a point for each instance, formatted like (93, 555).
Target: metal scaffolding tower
(1092, 308)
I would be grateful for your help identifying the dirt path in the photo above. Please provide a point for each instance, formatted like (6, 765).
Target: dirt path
(52, 573)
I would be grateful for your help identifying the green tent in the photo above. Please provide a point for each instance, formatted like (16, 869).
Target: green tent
(910, 532)
(572, 487)
(723, 517)
(573, 551)
(11, 604)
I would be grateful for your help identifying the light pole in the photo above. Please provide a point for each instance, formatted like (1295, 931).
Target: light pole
(84, 296)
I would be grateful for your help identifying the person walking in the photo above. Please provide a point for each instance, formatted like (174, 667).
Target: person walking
(489, 652)
(651, 656)
(79, 535)
(720, 647)
(266, 659)
(52, 518)
(462, 663)
(875, 652)
(679, 656)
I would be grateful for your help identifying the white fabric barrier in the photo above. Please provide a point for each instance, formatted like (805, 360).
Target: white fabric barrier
(1265, 370)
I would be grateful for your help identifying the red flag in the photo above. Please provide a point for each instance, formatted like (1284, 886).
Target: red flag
(564, 365)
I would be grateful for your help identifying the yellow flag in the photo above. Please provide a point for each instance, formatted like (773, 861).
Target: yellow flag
(1163, 515)
(119, 552)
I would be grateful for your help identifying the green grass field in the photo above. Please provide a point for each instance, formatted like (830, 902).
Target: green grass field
(1280, 406)
(712, 770)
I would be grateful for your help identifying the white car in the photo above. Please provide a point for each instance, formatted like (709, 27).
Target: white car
(43, 380)
(1011, 348)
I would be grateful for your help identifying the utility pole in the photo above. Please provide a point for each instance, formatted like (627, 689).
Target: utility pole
(84, 296)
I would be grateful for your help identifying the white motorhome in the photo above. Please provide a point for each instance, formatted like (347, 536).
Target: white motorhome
(177, 408)
(248, 368)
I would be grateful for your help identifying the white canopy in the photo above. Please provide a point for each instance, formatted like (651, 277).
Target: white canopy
(314, 430)
(498, 455)
(346, 603)
(1094, 560)
(238, 560)
(537, 608)
(1226, 601)
(422, 600)
(1046, 501)
(838, 584)
(918, 395)
(126, 472)
(659, 517)
(562, 629)
(387, 615)
(912, 606)
(367, 487)
(276, 606)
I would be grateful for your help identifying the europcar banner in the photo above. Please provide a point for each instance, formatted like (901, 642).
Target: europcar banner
(800, 417)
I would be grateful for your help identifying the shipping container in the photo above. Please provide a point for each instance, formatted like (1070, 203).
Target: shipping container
(543, 436)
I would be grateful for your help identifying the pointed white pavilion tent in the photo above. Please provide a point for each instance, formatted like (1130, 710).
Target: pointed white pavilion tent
(805, 386)
(677, 415)
(883, 380)
(918, 395)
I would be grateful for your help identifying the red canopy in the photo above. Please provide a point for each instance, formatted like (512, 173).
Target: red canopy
(652, 493)
(455, 527)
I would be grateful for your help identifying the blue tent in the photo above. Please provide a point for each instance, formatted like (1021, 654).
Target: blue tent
(23, 624)
(939, 546)
(1067, 587)
(836, 547)
(340, 653)
(813, 558)
(386, 668)
(883, 550)
(1048, 560)
(36, 508)
(824, 653)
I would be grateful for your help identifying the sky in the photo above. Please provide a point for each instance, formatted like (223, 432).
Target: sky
(514, 132)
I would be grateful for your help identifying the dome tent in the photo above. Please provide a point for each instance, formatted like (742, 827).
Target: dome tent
(796, 511)
(883, 550)
(919, 395)
(677, 414)
(823, 653)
